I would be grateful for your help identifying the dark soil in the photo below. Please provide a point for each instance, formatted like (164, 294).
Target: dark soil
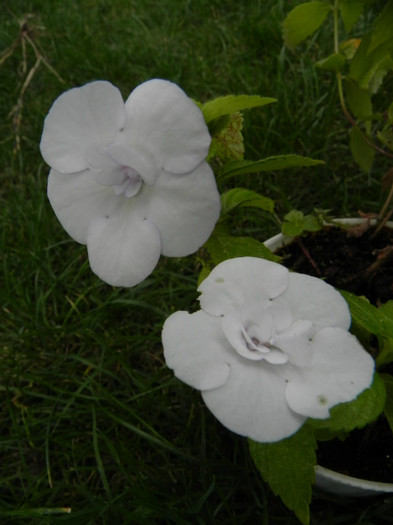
(362, 265)
(351, 263)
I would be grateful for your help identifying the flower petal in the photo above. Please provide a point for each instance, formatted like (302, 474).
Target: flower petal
(241, 279)
(185, 208)
(77, 199)
(163, 117)
(315, 300)
(252, 402)
(339, 370)
(93, 113)
(196, 350)
(123, 248)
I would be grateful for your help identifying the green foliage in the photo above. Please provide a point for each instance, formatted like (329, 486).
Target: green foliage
(362, 152)
(221, 247)
(350, 12)
(231, 103)
(288, 467)
(362, 62)
(377, 321)
(240, 197)
(227, 138)
(303, 21)
(278, 162)
(295, 223)
(333, 62)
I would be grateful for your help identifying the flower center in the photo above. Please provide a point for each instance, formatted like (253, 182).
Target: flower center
(121, 167)
(130, 184)
(266, 332)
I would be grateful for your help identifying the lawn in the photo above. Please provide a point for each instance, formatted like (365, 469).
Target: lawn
(91, 419)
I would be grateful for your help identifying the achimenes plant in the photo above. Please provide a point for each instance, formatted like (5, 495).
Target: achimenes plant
(134, 180)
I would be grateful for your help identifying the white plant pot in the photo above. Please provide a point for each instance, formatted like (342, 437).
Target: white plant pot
(326, 479)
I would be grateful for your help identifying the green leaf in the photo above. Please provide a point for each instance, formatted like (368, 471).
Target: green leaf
(383, 29)
(359, 101)
(388, 381)
(221, 247)
(334, 62)
(288, 467)
(227, 141)
(367, 67)
(279, 162)
(240, 197)
(231, 103)
(362, 152)
(375, 320)
(357, 413)
(350, 12)
(295, 223)
(303, 21)
(386, 137)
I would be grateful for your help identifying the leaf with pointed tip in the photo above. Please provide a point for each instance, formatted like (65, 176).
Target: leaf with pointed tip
(279, 162)
(231, 103)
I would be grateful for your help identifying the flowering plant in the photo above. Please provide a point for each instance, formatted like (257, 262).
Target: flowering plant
(130, 180)
(270, 350)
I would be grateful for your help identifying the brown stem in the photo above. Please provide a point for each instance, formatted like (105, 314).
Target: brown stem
(308, 256)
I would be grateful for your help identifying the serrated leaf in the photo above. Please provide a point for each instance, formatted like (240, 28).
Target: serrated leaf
(350, 12)
(388, 411)
(279, 162)
(295, 223)
(311, 223)
(334, 62)
(375, 320)
(221, 247)
(362, 152)
(227, 141)
(345, 417)
(383, 29)
(231, 103)
(303, 21)
(240, 197)
(292, 225)
(288, 467)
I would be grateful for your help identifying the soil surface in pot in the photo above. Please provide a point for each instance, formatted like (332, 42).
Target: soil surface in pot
(361, 265)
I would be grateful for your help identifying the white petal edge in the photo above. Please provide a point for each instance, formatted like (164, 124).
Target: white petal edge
(196, 350)
(340, 369)
(93, 113)
(162, 117)
(241, 279)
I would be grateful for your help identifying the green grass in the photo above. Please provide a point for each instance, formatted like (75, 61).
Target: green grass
(90, 417)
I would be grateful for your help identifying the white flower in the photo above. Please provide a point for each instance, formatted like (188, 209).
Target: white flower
(130, 179)
(268, 348)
